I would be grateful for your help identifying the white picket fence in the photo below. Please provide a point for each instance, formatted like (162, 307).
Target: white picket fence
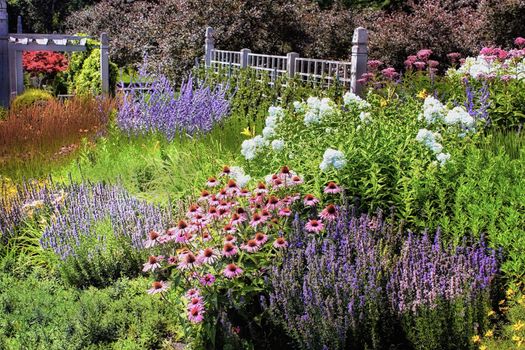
(323, 71)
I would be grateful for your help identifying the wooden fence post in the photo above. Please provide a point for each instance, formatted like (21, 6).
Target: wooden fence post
(359, 58)
(209, 44)
(4, 56)
(290, 64)
(104, 62)
(244, 57)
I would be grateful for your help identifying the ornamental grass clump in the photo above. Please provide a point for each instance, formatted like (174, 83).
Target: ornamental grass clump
(159, 107)
(361, 284)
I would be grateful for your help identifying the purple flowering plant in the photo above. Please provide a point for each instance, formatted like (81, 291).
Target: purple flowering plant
(363, 285)
(158, 106)
(219, 255)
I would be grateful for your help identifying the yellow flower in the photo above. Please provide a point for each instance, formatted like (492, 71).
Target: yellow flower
(518, 325)
(510, 292)
(483, 347)
(501, 302)
(489, 333)
(491, 313)
(422, 94)
(247, 132)
(476, 339)
(518, 340)
(383, 102)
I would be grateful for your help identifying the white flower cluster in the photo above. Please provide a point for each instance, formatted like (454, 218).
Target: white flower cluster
(315, 109)
(278, 145)
(459, 115)
(237, 173)
(332, 158)
(365, 117)
(251, 147)
(482, 67)
(429, 139)
(349, 99)
(433, 110)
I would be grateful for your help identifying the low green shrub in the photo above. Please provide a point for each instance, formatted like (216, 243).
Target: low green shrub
(31, 97)
(41, 313)
(88, 80)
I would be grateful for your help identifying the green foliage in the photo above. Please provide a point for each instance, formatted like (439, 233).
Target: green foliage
(29, 98)
(88, 80)
(4, 112)
(41, 313)
(101, 258)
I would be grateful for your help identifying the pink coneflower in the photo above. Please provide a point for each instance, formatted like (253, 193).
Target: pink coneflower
(310, 200)
(261, 188)
(213, 213)
(206, 237)
(329, 213)
(332, 188)
(258, 199)
(244, 192)
(260, 238)
(187, 260)
(213, 200)
(193, 210)
(273, 203)
(505, 78)
(223, 194)
(224, 205)
(199, 220)
(408, 64)
(193, 292)
(212, 182)
(152, 239)
(207, 279)
(158, 287)
(182, 226)
(453, 56)
(257, 219)
(172, 260)
(265, 214)
(314, 225)
(424, 54)
(419, 65)
(280, 243)
(278, 183)
(519, 42)
(223, 213)
(237, 219)
(374, 64)
(196, 314)
(231, 188)
(251, 246)
(208, 256)
(285, 212)
(226, 170)
(296, 180)
(229, 249)
(229, 228)
(153, 263)
(204, 196)
(232, 271)
(197, 300)
(230, 239)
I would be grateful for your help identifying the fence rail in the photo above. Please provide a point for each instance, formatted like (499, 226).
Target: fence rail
(320, 70)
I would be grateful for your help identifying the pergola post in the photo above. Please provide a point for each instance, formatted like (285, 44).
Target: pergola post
(104, 62)
(4, 56)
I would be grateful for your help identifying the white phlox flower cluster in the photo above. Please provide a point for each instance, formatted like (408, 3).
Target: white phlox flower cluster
(332, 158)
(433, 110)
(442, 158)
(238, 174)
(250, 148)
(349, 99)
(459, 115)
(278, 145)
(316, 109)
(365, 117)
(428, 138)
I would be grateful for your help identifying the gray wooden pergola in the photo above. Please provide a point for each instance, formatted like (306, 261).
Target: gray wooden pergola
(12, 47)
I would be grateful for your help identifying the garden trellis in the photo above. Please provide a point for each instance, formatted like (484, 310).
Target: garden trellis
(12, 47)
(323, 71)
